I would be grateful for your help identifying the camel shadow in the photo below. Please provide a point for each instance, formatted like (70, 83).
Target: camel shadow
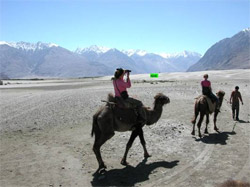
(216, 138)
(130, 175)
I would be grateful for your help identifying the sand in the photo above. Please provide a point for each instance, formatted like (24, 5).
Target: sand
(45, 130)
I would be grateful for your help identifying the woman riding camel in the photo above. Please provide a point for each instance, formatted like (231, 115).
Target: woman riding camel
(121, 94)
(207, 90)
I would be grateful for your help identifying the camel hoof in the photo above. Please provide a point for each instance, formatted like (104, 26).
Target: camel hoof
(147, 155)
(102, 167)
(216, 129)
(192, 133)
(102, 171)
(124, 162)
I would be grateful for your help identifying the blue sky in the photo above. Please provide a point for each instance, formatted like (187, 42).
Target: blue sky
(153, 25)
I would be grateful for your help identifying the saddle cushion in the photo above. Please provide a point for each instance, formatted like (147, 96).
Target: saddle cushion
(124, 110)
(211, 105)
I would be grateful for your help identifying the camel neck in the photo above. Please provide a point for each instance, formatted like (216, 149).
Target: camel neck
(158, 107)
(155, 114)
(220, 100)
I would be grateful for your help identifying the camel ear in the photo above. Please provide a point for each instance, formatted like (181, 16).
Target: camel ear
(158, 96)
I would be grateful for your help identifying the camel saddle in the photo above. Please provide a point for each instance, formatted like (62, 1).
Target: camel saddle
(122, 110)
(211, 105)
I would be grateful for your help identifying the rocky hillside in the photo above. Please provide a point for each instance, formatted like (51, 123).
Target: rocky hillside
(229, 53)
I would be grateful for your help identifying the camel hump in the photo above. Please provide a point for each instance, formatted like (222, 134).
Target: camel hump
(123, 111)
(211, 105)
(201, 99)
(126, 115)
(111, 97)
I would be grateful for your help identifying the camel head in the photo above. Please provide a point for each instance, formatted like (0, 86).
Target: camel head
(220, 94)
(161, 99)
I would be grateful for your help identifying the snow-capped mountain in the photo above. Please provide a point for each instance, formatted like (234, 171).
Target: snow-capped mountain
(141, 61)
(93, 48)
(29, 46)
(92, 53)
(44, 60)
(180, 54)
(229, 53)
(23, 59)
(183, 60)
(131, 52)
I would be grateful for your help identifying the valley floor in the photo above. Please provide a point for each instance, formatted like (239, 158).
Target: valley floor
(45, 131)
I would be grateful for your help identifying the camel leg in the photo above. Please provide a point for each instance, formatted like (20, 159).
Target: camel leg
(196, 113)
(128, 146)
(199, 123)
(193, 132)
(207, 122)
(143, 142)
(215, 119)
(100, 139)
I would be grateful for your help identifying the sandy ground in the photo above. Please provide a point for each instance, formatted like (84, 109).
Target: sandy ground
(45, 134)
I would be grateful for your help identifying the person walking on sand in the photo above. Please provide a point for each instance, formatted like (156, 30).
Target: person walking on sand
(207, 90)
(234, 100)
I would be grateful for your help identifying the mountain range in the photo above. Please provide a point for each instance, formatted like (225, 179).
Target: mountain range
(229, 53)
(46, 60)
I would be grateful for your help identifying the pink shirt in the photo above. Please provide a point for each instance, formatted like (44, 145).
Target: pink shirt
(121, 85)
(205, 83)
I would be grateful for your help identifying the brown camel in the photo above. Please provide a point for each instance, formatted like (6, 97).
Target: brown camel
(201, 106)
(105, 123)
